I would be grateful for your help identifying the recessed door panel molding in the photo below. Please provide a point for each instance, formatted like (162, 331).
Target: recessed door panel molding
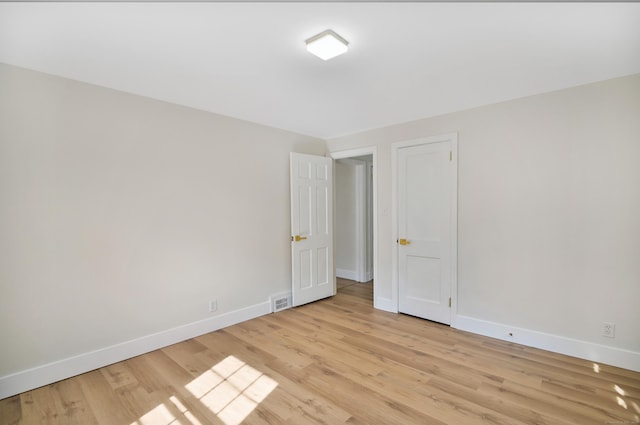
(424, 182)
(322, 171)
(322, 210)
(304, 210)
(304, 170)
(323, 266)
(423, 279)
(306, 275)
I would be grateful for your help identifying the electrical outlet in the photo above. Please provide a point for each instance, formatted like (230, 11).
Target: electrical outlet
(609, 330)
(213, 305)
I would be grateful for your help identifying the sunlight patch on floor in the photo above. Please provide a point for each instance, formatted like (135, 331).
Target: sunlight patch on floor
(188, 415)
(621, 402)
(231, 389)
(161, 415)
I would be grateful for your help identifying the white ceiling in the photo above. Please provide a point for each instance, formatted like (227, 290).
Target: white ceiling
(248, 60)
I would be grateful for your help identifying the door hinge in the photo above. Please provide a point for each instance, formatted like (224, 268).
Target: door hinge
(450, 155)
(449, 302)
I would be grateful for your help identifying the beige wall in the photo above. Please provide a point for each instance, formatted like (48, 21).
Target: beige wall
(549, 210)
(121, 216)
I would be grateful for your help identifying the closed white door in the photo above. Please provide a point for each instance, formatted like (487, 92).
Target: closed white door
(311, 228)
(424, 192)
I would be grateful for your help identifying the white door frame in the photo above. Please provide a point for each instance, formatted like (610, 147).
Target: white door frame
(373, 151)
(395, 147)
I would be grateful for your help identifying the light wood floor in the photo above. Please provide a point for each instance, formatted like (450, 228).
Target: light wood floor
(338, 361)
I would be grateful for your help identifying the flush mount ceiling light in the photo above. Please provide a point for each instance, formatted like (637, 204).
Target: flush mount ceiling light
(327, 45)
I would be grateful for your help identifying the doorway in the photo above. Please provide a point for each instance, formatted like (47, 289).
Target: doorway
(355, 218)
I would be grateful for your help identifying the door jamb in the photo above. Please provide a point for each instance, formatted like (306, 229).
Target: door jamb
(395, 148)
(350, 153)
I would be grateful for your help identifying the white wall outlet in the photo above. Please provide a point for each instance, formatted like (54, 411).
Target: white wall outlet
(609, 330)
(213, 305)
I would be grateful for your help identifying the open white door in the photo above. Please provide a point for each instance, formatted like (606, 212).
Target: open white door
(311, 228)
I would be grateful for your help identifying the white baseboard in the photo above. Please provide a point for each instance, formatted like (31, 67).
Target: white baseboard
(347, 274)
(353, 275)
(26, 380)
(368, 276)
(385, 304)
(558, 344)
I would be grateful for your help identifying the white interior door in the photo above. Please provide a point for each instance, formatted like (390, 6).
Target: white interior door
(311, 228)
(425, 178)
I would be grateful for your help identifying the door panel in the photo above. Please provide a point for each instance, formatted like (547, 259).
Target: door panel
(423, 185)
(424, 221)
(423, 278)
(312, 224)
(322, 208)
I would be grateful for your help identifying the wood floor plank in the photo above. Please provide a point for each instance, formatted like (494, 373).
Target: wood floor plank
(119, 375)
(523, 414)
(367, 405)
(539, 364)
(290, 400)
(333, 362)
(61, 403)
(10, 410)
(37, 406)
(103, 400)
(186, 354)
(411, 357)
(71, 404)
(172, 380)
(562, 408)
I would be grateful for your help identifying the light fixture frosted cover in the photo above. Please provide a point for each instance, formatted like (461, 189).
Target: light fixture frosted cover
(327, 45)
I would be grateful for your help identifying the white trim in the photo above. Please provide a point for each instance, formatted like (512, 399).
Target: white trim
(368, 276)
(373, 151)
(361, 241)
(555, 343)
(454, 229)
(347, 274)
(368, 242)
(452, 138)
(386, 304)
(29, 379)
(394, 228)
